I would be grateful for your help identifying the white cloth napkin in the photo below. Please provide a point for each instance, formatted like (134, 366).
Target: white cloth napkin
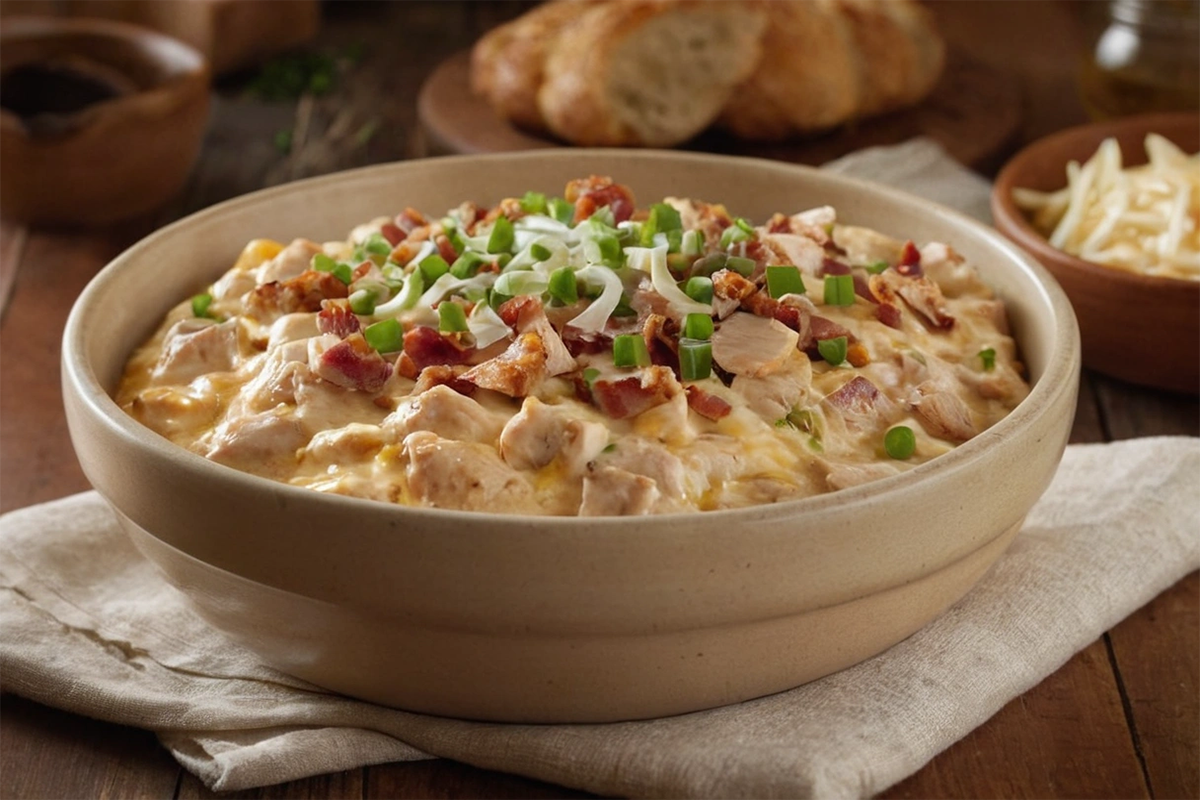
(91, 627)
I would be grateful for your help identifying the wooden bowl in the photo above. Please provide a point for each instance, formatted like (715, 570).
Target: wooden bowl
(560, 619)
(128, 142)
(1139, 328)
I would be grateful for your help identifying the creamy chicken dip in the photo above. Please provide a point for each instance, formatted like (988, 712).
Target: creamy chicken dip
(581, 356)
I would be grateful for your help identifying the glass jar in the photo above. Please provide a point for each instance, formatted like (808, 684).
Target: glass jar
(1145, 58)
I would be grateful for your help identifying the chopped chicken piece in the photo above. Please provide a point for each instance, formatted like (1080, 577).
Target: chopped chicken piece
(173, 410)
(258, 443)
(464, 475)
(539, 433)
(773, 396)
(944, 415)
(290, 262)
(613, 492)
(290, 327)
(746, 344)
(350, 363)
(353, 443)
(195, 347)
(447, 413)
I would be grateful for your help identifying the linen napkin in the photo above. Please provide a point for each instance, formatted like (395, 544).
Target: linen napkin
(91, 627)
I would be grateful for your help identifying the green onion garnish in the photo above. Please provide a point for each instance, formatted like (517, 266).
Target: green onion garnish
(323, 263)
(539, 252)
(533, 203)
(497, 299)
(839, 290)
(433, 267)
(385, 336)
(674, 241)
(692, 243)
(732, 235)
(466, 265)
(363, 302)
(561, 210)
(589, 376)
(629, 350)
(200, 304)
(343, 272)
(900, 442)
(501, 238)
(698, 326)
(877, 267)
(742, 266)
(699, 288)
(987, 355)
(695, 359)
(562, 286)
(377, 245)
(744, 225)
(663, 219)
(707, 265)
(784, 279)
(451, 317)
(833, 350)
(611, 254)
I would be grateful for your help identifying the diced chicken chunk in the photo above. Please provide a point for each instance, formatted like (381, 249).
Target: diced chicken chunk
(539, 433)
(257, 443)
(464, 475)
(173, 410)
(290, 262)
(196, 347)
(351, 444)
(613, 492)
(944, 415)
(746, 344)
(445, 412)
(773, 396)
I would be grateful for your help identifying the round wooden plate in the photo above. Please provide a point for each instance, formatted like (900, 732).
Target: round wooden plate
(974, 113)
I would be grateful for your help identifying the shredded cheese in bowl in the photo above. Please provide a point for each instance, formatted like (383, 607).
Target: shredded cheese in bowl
(1143, 219)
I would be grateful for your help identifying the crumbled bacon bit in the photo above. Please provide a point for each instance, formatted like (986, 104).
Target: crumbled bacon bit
(353, 364)
(833, 267)
(857, 397)
(819, 329)
(706, 404)
(425, 346)
(305, 292)
(910, 260)
(593, 193)
(511, 311)
(409, 220)
(392, 233)
(443, 375)
(444, 248)
(336, 317)
(628, 397)
(662, 340)
(889, 315)
(728, 285)
(516, 371)
(779, 223)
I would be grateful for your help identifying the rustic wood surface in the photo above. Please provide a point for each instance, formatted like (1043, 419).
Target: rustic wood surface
(1119, 720)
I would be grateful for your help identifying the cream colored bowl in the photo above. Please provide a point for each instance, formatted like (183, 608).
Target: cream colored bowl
(537, 619)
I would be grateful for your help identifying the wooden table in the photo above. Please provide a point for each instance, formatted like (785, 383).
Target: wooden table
(1118, 720)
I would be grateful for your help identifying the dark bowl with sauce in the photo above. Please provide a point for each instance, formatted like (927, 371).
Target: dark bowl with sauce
(99, 121)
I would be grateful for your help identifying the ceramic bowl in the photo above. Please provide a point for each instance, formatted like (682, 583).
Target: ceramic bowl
(108, 159)
(560, 619)
(1139, 328)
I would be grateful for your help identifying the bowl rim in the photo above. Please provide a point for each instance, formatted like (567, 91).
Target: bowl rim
(1060, 376)
(182, 61)
(1011, 221)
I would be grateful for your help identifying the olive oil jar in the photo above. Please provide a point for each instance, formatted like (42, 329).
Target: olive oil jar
(1145, 58)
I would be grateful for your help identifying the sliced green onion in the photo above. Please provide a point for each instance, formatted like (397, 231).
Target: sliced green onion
(466, 265)
(699, 288)
(377, 245)
(603, 218)
(877, 267)
(451, 317)
(695, 359)
(562, 286)
(539, 252)
(323, 263)
(501, 238)
(745, 226)
(784, 279)
(692, 243)
(589, 376)
(833, 350)
(200, 304)
(608, 251)
(457, 240)
(407, 297)
(343, 272)
(386, 336)
(707, 265)
(732, 235)
(433, 267)
(742, 266)
(674, 241)
(561, 210)
(663, 218)
(698, 326)
(900, 442)
(629, 350)
(533, 203)
(363, 302)
(987, 355)
(839, 290)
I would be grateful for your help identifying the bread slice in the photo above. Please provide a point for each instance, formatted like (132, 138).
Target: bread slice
(507, 62)
(647, 72)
